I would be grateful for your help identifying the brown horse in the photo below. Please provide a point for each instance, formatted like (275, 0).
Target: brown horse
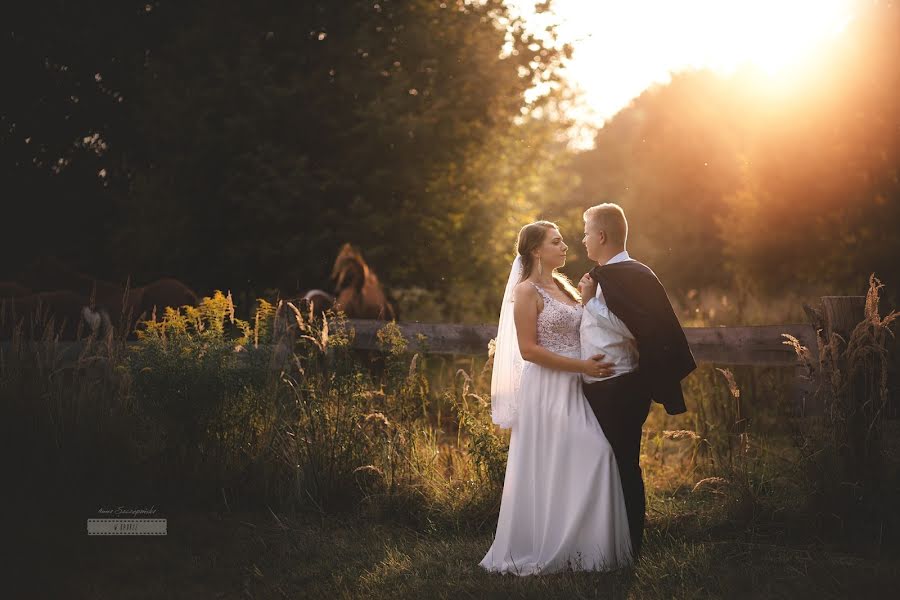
(357, 292)
(317, 300)
(118, 300)
(357, 289)
(67, 313)
(165, 292)
(50, 273)
(13, 289)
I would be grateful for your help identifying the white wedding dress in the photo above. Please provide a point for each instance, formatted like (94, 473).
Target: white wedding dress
(562, 504)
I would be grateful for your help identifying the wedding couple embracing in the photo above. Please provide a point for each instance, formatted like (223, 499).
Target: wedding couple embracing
(574, 373)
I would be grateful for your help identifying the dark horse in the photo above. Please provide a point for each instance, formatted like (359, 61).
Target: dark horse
(61, 313)
(357, 292)
(51, 275)
(357, 289)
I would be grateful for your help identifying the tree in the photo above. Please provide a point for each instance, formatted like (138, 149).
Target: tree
(668, 159)
(820, 204)
(70, 72)
(243, 144)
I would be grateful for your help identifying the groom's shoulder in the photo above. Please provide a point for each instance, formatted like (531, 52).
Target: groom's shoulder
(636, 264)
(644, 272)
(630, 266)
(645, 269)
(629, 274)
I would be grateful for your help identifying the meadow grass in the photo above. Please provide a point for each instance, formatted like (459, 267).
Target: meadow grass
(337, 473)
(699, 545)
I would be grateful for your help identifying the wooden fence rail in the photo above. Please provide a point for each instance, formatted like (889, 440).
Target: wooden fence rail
(759, 345)
(749, 345)
(755, 345)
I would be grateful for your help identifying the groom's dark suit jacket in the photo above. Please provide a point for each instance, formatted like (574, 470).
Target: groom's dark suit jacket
(635, 295)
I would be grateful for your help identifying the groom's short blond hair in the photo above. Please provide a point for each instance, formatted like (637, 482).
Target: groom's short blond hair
(609, 218)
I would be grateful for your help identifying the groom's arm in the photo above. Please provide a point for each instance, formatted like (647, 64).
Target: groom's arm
(590, 300)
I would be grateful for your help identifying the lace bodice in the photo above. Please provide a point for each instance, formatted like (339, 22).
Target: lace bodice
(558, 325)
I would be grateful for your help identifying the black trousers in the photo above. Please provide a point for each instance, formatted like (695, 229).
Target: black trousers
(621, 405)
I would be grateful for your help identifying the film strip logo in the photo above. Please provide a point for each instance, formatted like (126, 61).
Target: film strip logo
(127, 527)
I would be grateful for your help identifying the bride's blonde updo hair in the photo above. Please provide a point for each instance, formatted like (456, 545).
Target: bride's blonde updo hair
(530, 237)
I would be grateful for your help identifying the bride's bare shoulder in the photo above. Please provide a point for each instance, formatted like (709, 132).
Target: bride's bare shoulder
(524, 290)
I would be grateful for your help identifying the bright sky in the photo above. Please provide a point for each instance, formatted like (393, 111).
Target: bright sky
(624, 46)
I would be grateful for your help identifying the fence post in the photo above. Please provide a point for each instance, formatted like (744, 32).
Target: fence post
(842, 314)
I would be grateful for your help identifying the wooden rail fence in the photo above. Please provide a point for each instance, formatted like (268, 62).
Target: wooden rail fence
(755, 345)
(748, 345)
(751, 345)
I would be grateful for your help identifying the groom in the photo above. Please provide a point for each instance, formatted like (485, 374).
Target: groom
(629, 319)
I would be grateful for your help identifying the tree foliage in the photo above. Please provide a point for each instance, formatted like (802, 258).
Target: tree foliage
(238, 145)
(259, 138)
(763, 183)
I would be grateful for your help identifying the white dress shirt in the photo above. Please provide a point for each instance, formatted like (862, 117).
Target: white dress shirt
(602, 332)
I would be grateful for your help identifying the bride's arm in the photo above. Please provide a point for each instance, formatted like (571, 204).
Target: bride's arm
(525, 313)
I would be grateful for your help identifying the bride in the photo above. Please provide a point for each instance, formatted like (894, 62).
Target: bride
(562, 504)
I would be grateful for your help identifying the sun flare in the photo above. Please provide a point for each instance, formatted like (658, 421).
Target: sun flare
(622, 47)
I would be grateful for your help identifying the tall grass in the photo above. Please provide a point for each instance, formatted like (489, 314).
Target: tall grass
(745, 442)
(214, 411)
(67, 409)
(844, 452)
(201, 410)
